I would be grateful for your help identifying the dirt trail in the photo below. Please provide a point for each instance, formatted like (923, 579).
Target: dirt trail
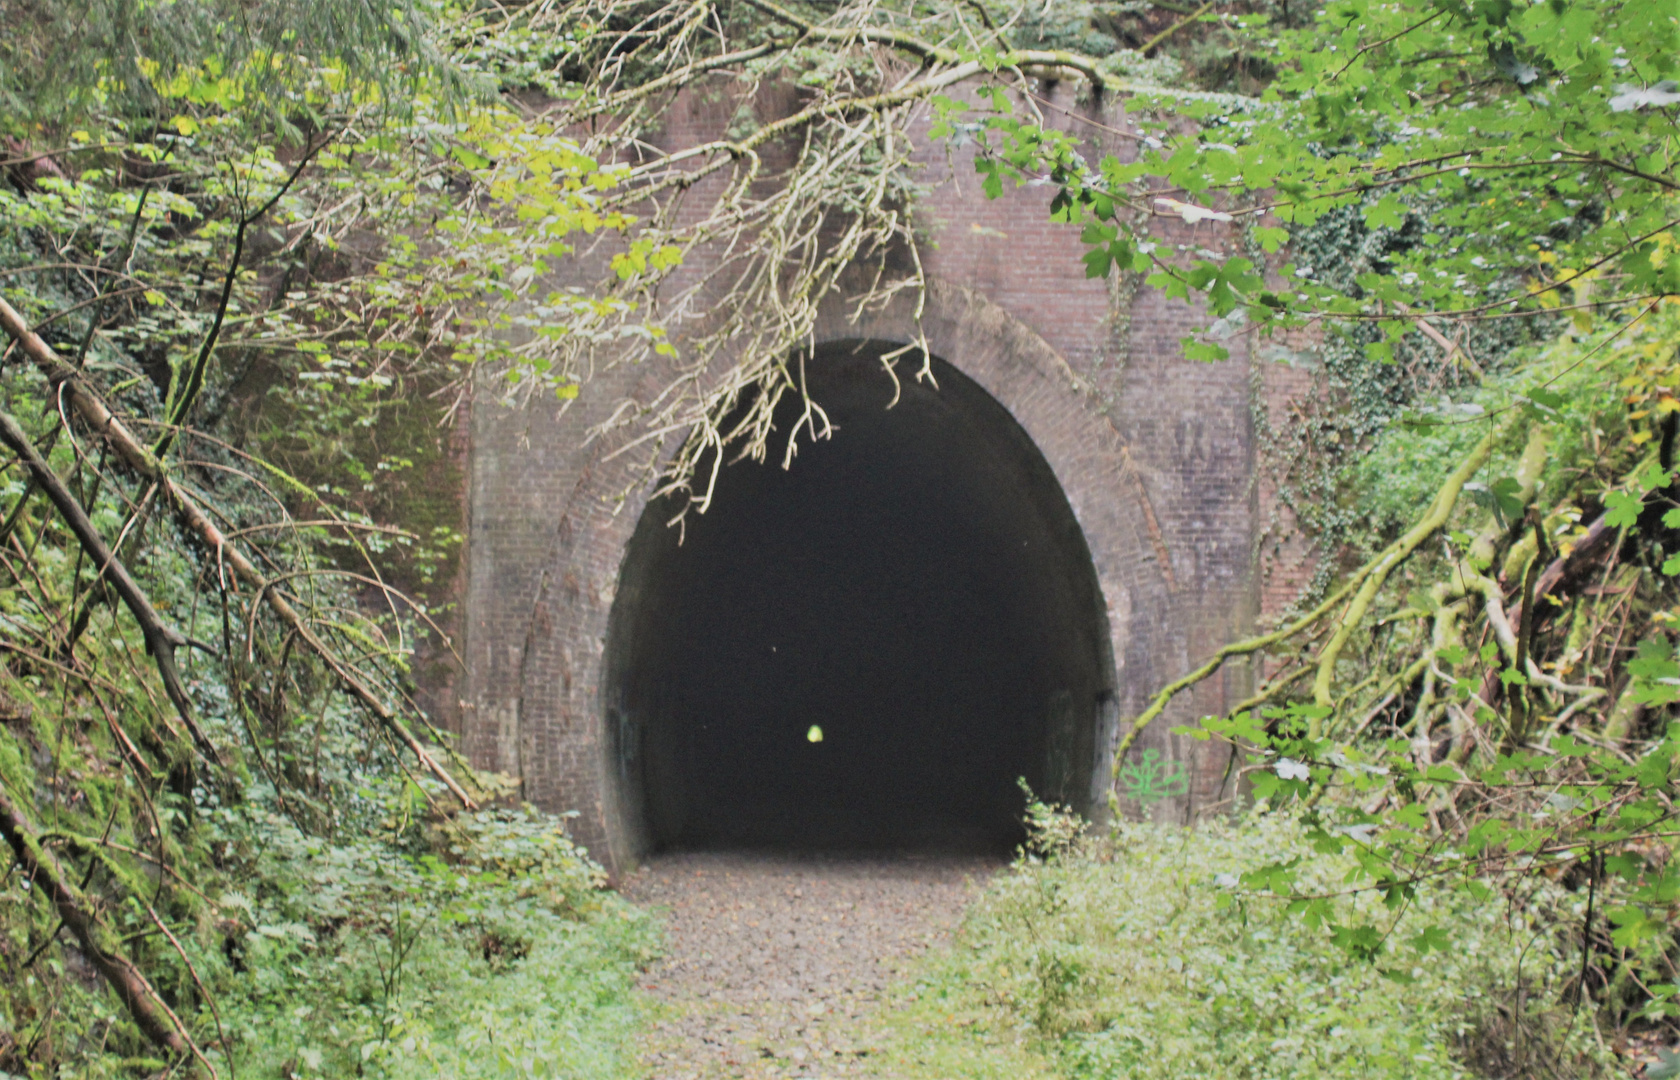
(776, 965)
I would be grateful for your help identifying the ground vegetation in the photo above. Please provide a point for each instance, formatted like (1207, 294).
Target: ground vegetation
(1134, 953)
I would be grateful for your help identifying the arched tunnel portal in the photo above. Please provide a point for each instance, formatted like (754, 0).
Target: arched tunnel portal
(916, 587)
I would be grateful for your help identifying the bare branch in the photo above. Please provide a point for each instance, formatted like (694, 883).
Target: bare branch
(135, 457)
(98, 943)
(161, 640)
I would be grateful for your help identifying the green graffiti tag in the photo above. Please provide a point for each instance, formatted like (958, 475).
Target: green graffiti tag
(1150, 780)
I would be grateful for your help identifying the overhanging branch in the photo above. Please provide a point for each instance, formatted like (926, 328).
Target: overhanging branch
(135, 457)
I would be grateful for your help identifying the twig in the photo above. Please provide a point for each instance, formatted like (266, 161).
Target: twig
(195, 376)
(1156, 41)
(161, 640)
(1363, 49)
(192, 517)
(150, 1012)
(209, 999)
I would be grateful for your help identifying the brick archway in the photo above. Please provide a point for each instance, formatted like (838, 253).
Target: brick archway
(539, 607)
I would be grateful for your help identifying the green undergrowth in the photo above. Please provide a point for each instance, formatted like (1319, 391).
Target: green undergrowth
(1129, 955)
(492, 950)
(1587, 399)
(482, 946)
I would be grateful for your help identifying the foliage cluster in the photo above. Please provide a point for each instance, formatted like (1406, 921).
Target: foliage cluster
(1449, 180)
(486, 950)
(62, 61)
(1484, 712)
(1135, 954)
(478, 946)
(1492, 145)
(261, 250)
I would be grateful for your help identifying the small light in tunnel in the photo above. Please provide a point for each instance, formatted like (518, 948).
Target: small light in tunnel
(815, 734)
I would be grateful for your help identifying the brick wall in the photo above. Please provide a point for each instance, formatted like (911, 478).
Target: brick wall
(1155, 455)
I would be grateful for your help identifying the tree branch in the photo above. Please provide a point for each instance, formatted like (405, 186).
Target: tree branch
(188, 394)
(1368, 579)
(1164, 697)
(1384, 564)
(150, 1012)
(903, 42)
(161, 640)
(1155, 42)
(135, 457)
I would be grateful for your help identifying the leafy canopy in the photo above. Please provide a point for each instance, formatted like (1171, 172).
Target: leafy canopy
(1521, 156)
(64, 61)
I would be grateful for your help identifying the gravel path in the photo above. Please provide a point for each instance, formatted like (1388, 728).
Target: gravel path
(776, 965)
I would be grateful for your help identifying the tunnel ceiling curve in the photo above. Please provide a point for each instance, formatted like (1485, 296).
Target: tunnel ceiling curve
(868, 649)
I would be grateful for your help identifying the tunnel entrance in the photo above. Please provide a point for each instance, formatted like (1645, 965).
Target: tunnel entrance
(916, 589)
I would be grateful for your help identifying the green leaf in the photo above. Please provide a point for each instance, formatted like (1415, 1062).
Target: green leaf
(1360, 942)
(1204, 352)
(1621, 509)
(1634, 926)
(472, 159)
(1667, 1066)
(1503, 497)
(1655, 672)
(1432, 937)
(1387, 213)
(1654, 476)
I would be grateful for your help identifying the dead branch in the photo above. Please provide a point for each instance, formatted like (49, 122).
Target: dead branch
(909, 43)
(98, 943)
(1368, 579)
(161, 640)
(1247, 647)
(774, 236)
(1383, 565)
(141, 461)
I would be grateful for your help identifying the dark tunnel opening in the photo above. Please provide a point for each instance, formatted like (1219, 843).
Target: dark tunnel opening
(916, 587)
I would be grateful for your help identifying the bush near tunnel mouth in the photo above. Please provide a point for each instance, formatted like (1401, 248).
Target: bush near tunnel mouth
(1131, 954)
(483, 945)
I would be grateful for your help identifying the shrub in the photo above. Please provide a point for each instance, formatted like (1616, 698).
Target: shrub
(1132, 955)
(489, 949)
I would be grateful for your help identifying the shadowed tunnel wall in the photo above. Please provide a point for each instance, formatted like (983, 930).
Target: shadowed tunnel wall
(916, 586)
